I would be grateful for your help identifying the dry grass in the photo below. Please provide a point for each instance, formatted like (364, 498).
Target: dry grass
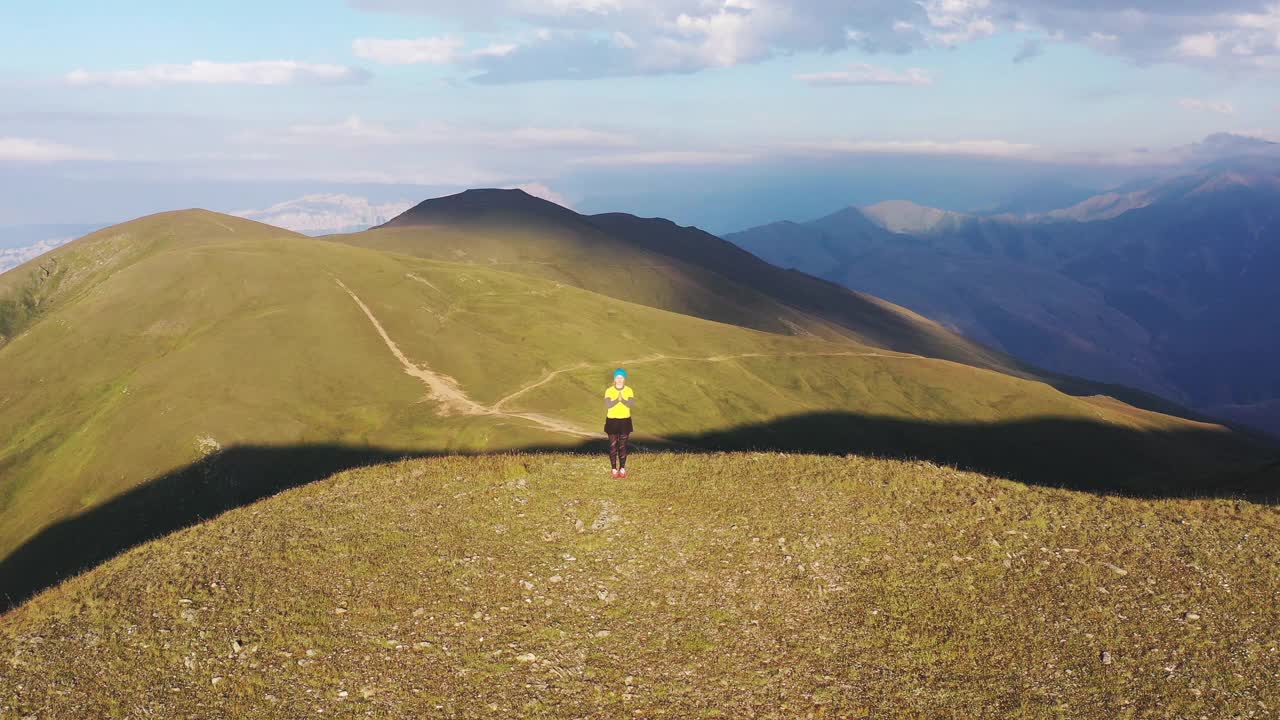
(730, 585)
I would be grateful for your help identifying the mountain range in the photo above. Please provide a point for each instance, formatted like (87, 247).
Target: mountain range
(1167, 286)
(246, 472)
(141, 365)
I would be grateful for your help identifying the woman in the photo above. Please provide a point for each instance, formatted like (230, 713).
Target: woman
(618, 401)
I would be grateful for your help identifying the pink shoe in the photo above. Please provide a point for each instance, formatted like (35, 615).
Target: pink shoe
(622, 473)
(615, 473)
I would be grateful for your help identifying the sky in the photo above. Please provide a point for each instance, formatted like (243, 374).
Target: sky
(723, 113)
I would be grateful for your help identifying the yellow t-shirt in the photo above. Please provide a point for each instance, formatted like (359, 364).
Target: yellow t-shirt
(619, 410)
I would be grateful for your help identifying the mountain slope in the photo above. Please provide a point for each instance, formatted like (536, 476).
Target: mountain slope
(689, 271)
(656, 263)
(977, 279)
(161, 346)
(741, 585)
(901, 216)
(871, 319)
(1161, 293)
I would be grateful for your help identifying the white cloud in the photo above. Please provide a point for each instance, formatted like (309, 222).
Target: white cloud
(1222, 107)
(671, 157)
(353, 129)
(548, 137)
(985, 148)
(1266, 134)
(958, 21)
(205, 72)
(602, 38)
(864, 74)
(358, 131)
(13, 257)
(29, 150)
(454, 174)
(1200, 45)
(496, 50)
(1214, 147)
(326, 213)
(443, 50)
(541, 190)
(428, 50)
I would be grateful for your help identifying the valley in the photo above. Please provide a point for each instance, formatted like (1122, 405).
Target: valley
(1157, 291)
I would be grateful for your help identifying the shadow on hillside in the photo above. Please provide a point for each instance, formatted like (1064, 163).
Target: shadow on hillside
(1054, 452)
(1085, 456)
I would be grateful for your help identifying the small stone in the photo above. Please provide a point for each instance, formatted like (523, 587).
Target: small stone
(1117, 569)
(580, 526)
(340, 610)
(1105, 657)
(526, 584)
(236, 647)
(1191, 616)
(311, 653)
(419, 612)
(368, 692)
(555, 579)
(215, 680)
(342, 694)
(602, 633)
(526, 658)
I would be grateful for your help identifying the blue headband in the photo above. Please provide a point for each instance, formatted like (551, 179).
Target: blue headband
(620, 371)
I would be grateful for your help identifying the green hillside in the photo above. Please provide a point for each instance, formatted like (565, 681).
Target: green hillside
(738, 585)
(657, 263)
(654, 262)
(157, 347)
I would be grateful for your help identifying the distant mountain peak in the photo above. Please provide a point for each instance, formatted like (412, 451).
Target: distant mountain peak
(1229, 180)
(1231, 142)
(479, 204)
(904, 216)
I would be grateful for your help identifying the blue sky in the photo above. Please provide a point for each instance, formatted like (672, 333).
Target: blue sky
(611, 104)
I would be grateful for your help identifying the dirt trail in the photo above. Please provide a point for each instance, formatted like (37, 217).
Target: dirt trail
(445, 390)
(454, 400)
(422, 280)
(713, 358)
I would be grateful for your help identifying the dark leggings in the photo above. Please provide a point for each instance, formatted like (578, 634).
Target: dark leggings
(618, 450)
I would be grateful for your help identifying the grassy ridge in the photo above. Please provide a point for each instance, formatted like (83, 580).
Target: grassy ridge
(659, 264)
(174, 336)
(728, 585)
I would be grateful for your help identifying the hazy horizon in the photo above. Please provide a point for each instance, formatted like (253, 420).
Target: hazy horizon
(721, 114)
